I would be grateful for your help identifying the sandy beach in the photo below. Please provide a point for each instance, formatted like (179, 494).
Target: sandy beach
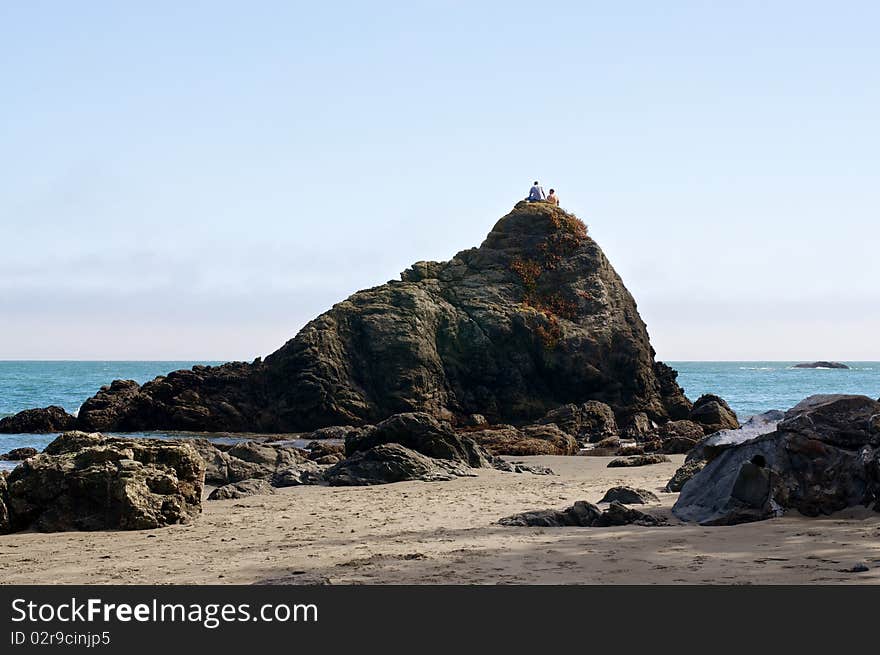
(445, 533)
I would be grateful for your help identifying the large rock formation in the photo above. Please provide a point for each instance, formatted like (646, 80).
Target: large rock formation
(534, 318)
(91, 482)
(822, 457)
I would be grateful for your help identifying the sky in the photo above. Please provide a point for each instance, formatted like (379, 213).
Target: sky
(197, 180)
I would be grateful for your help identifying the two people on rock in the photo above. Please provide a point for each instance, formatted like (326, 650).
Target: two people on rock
(536, 194)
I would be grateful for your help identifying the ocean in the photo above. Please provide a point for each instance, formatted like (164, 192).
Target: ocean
(749, 387)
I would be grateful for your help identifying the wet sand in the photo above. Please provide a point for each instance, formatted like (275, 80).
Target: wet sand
(444, 532)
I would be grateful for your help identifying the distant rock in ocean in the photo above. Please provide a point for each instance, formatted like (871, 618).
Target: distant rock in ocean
(821, 365)
(533, 319)
(45, 420)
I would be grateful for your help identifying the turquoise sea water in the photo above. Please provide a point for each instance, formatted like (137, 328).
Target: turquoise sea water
(749, 387)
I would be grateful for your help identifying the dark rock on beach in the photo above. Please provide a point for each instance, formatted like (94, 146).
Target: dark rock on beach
(325, 453)
(639, 427)
(423, 433)
(822, 457)
(582, 514)
(47, 419)
(520, 467)
(629, 496)
(708, 447)
(245, 460)
(92, 482)
(619, 514)
(391, 462)
(587, 422)
(529, 440)
(533, 319)
(821, 365)
(242, 489)
(638, 460)
(714, 414)
(301, 473)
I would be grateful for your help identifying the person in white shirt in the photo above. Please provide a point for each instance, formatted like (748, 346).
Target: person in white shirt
(536, 193)
(552, 198)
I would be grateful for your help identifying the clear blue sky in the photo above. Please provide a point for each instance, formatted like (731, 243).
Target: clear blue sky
(198, 179)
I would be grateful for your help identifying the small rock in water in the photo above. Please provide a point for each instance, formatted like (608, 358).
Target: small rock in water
(861, 567)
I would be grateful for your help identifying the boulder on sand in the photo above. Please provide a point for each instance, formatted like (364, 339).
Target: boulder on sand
(92, 482)
(587, 422)
(822, 457)
(245, 460)
(638, 460)
(423, 433)
(301, 473)
(706, 449)
(582, 514)
(529, 440)
(387, 463)
(629, 496)
(242, 489)
(36, 421)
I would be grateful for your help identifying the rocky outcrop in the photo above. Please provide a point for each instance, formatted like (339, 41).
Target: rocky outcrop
(423, 433)
(242, 489)
(822, 457)
(588, 422)
(638, 460)
(529, 440)
(640, 427)
(706, 449)
(391, 462)
(534, 318)
(501, 464)
(301, 473)
(629, 496)
(325, 453)
(47, 419)
(619, 514)
(821, 365)
(19, 454)
(92, 482)
(245, 460)
(714, 414)
(582, 514)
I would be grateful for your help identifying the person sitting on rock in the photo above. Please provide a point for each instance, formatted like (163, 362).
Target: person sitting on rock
(536, 193)
(552, 198)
